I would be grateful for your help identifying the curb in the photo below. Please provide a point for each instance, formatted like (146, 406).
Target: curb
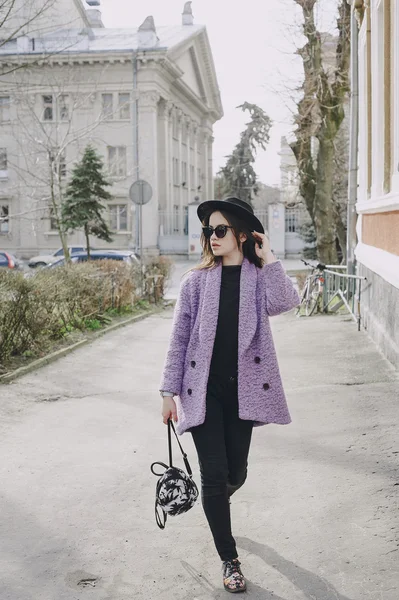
(53, 356)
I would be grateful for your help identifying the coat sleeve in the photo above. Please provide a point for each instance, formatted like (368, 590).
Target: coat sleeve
(281, 295)
(173, 371)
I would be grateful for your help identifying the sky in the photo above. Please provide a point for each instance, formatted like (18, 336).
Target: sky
(253, 45)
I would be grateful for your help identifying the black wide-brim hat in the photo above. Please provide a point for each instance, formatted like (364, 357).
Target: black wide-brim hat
(238, 207)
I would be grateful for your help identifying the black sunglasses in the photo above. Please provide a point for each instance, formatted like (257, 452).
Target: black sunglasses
(220, 231)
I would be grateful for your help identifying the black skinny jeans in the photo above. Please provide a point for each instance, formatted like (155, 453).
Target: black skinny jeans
(222, 444)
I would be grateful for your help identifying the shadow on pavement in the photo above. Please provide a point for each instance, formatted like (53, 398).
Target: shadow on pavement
(311, 585)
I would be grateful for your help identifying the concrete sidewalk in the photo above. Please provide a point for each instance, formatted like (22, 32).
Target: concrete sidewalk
(316, 520)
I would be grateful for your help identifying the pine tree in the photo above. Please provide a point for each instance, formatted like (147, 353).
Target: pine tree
(238, 176)
(82, 208)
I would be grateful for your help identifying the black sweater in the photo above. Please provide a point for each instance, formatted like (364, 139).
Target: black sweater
(225, 350)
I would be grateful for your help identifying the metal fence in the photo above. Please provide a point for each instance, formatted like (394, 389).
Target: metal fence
(263, 216)
(341, 289)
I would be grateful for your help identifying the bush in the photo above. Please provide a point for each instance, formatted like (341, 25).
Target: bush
(52, 303)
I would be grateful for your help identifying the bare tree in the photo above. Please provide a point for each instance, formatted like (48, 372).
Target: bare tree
(15, 19)
(320, 115)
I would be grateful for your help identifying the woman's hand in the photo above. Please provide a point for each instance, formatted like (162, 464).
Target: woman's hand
(262, 248)
(169, 410)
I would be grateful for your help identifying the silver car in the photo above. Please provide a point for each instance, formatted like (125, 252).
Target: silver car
(49, 259)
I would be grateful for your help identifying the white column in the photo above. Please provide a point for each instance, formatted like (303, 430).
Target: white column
(377, 69)
(189, 131)
(180, 179)
(164, 153)
(171, 156)
(210, 167)
(148, 161)
(196, 182)
(395, 81)
(205, 166)
(363, 112)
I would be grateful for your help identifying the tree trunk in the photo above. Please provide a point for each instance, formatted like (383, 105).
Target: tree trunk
(57, 217)
(87, 241)
(323, 209)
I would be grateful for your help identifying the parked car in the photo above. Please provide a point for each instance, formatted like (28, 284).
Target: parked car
(126, 255)
(48, 259)
(8, 260)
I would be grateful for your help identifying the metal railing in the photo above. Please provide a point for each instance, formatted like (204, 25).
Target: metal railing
(342, 289)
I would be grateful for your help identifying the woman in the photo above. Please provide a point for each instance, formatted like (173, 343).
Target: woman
(221, 362)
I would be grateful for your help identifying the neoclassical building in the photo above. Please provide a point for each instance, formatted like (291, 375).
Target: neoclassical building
(377, 250)
(146, 98)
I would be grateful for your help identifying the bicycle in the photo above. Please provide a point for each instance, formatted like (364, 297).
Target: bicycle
(313, 289)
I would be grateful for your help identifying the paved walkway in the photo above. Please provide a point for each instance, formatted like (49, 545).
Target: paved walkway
(317, 519)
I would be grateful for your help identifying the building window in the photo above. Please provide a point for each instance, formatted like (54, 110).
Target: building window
(124, 106)
(63, 107)
(53, 220)
(192, 177)
(4, 108)
(62, 165)
(48, 110)
(118, 217)
(4, 218)
(108, 110)
(185, 220)
(117, 161)
(175, 127)
(176, 218)
(176, 171)
(184, 172)
(291, 221)
(3, 162)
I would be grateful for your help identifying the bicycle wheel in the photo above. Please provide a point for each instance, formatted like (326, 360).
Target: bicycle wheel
(313, 298)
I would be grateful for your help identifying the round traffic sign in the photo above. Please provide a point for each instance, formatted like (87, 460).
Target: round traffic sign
(140, 192)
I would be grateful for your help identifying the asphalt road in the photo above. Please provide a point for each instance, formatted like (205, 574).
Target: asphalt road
(317, 518)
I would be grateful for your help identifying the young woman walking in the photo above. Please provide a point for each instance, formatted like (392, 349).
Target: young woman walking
(221, 362)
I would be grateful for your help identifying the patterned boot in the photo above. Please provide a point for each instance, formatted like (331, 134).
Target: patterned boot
(233, 579)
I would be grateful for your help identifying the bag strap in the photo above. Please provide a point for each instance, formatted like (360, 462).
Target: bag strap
(160, 516)
(185, 459)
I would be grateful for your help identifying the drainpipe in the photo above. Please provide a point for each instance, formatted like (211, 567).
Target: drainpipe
(351, 239)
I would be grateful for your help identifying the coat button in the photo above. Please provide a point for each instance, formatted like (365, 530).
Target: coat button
(257, 360)
(189, 392)
(193, 363)
(266, 386)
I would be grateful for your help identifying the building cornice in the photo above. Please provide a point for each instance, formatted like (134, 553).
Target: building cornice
(385, 203)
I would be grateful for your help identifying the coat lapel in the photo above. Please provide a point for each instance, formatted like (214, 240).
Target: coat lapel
(248, 316)
(210, 305)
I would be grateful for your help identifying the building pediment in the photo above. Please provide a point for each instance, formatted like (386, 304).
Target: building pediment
(189, 65)
(194, 59)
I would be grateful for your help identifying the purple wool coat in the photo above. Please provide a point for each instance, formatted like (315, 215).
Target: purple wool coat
(263, 293)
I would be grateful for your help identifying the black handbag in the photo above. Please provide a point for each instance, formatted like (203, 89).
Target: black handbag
(176, 491)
